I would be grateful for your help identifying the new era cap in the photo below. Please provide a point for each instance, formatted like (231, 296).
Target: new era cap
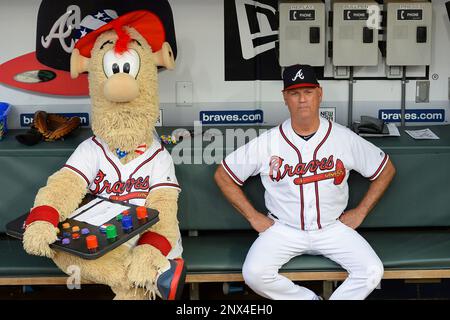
(60, 24)
(299, 75)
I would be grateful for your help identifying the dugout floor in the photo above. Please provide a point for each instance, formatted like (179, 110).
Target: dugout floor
(390, 290)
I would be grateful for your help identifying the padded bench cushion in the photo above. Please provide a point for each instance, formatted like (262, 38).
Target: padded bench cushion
(15, 262)
(225, 252)
(203, 207)
(397, 249)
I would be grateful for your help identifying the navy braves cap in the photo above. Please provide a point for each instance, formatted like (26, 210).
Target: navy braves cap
(299, 75)
(60, 24)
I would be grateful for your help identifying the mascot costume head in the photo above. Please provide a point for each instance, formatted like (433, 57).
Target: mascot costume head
(121, 161)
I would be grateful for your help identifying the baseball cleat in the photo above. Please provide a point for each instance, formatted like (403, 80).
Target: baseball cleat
(170, 282)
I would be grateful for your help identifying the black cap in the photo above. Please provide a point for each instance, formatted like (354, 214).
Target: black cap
(299, 75)
(55, 56)
(59, 25)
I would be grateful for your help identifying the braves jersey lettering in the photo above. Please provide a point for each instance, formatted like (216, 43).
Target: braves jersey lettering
(299, 169)
(306, 181)
(108, 177)
(103, 185)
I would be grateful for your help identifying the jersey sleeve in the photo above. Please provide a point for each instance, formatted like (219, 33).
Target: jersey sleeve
(84, 161)
(244, 162)
(369, 160)
(163, 172)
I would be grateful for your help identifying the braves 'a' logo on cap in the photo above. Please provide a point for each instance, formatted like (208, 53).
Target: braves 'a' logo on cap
(299, 75)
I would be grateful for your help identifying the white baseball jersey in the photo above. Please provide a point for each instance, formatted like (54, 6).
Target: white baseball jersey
(306, 181)
(106, 176)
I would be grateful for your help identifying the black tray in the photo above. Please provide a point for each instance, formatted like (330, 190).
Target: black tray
(78, 247)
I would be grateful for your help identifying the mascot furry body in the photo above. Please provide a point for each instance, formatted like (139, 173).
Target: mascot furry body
(122, 58)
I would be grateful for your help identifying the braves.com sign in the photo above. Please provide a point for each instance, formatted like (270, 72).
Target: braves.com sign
(251, 40)
(412, 115)
(26, 119)
(232, 117)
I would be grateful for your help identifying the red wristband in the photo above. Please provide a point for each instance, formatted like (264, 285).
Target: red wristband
(43, 213)
(157, 241)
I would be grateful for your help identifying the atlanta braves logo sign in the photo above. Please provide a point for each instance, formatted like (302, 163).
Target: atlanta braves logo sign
(62, 29)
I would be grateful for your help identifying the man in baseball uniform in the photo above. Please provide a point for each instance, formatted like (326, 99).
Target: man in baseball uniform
(304, 166)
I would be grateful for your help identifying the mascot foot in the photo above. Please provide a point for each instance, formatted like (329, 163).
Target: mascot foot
(170, 282)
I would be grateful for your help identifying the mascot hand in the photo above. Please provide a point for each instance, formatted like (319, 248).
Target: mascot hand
(143, 265)
(37, 239)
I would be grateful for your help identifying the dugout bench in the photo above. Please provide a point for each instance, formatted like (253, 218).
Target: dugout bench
(409, 229)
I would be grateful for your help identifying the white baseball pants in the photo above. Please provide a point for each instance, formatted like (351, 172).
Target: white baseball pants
(280, 243)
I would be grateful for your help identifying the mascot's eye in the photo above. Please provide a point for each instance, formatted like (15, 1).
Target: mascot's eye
(115, 68)
(129, 63)
(126, 68)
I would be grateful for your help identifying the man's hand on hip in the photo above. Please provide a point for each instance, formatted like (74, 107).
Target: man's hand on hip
(261, 222)
(352, 218)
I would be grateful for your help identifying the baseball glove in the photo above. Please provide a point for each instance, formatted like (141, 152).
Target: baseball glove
(53, 126)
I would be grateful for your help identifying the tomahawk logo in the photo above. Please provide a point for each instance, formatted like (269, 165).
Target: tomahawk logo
(251, 36)
(257, 23)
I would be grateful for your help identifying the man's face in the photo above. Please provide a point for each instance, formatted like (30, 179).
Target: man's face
(303, 102)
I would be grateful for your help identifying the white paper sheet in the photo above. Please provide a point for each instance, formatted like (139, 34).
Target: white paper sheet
(422, 134)
(85, 207)
(100, 213)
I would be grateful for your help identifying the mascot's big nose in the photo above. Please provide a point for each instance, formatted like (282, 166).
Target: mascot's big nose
(121, 87)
